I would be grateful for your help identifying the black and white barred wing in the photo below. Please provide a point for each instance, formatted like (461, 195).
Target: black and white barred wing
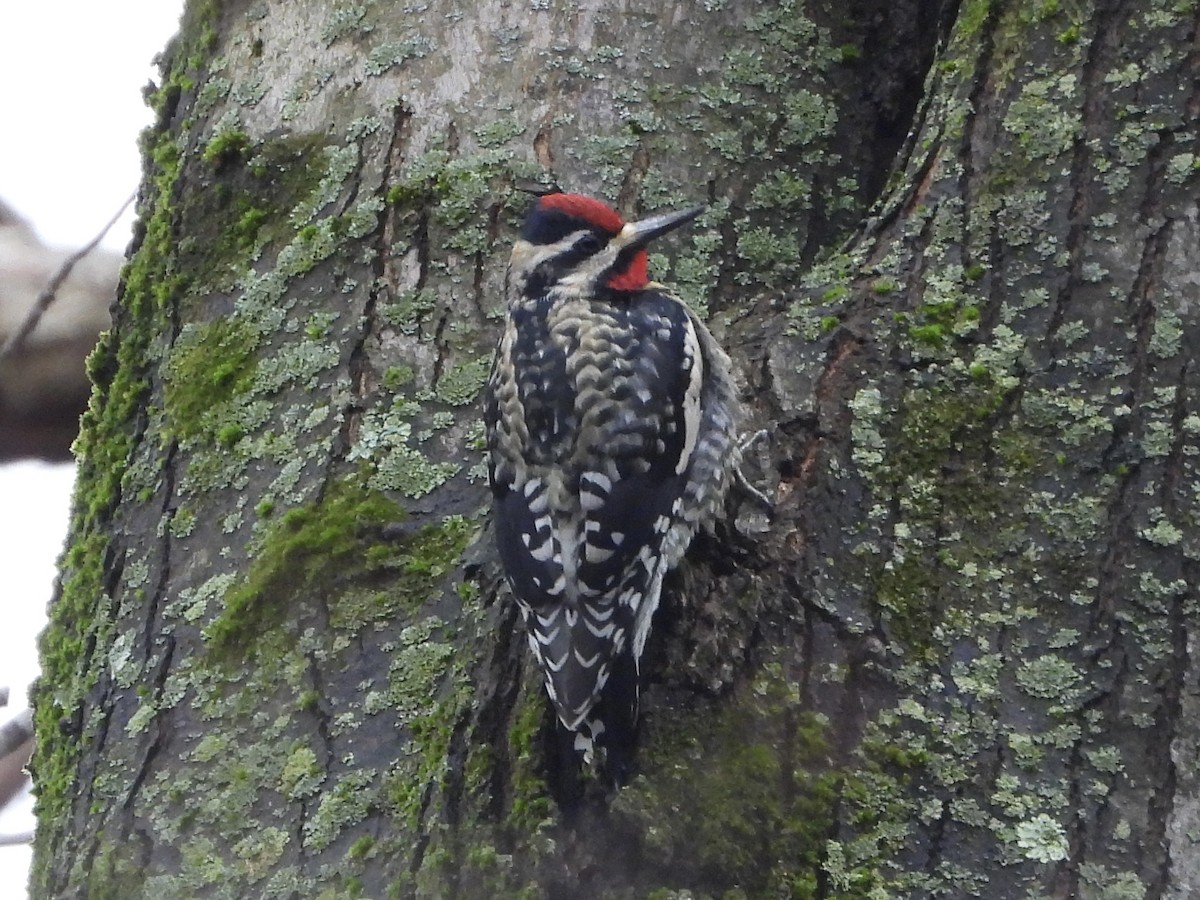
(587, 531)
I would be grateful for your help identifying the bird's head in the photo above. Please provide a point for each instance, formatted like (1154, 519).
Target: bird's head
(573, 240)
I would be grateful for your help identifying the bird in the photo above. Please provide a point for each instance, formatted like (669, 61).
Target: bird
(612, 418)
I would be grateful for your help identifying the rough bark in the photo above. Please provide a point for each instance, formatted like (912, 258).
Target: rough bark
(951, 248)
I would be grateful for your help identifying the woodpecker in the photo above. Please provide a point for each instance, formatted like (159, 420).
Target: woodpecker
(612, 419)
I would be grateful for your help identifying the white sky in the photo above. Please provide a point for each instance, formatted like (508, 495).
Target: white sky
(71, 108)
(71, 74)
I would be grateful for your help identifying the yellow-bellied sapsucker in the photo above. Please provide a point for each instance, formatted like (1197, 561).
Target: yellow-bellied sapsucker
(612, 420)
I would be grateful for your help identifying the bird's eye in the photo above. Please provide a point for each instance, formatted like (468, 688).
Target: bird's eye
(590, 243)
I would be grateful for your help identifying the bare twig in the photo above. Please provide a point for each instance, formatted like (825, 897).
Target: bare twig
(47, 296)
(12, 840)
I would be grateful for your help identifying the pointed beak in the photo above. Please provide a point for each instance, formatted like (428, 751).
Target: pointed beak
(639, 234)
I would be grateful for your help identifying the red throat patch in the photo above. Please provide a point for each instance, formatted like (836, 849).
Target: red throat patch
(634, 276)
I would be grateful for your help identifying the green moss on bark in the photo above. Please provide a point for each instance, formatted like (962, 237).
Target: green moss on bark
(755, 790)
(211, 367)
(80, 621)
(304, 551)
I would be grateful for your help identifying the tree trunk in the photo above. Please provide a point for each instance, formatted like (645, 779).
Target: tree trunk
(951, 248)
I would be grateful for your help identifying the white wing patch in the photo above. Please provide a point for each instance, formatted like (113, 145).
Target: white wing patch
(691, 398)
(595, 555)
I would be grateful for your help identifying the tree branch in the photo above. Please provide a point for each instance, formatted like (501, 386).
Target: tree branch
(17, 339)
(15, 732)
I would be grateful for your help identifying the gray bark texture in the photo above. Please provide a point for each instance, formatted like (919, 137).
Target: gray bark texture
(952, 249)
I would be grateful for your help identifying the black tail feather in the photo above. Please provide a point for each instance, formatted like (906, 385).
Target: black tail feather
(565, 779)
(618, 710)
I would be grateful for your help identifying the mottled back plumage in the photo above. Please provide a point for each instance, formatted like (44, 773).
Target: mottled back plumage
(612, 417)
